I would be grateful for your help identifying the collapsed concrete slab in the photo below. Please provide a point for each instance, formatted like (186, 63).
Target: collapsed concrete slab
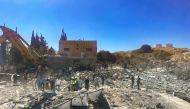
(94, 99)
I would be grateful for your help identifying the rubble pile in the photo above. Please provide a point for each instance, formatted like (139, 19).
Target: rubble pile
(166, 82)
(12, 92)
(117, 90)
(121, 95)
(78, 98)
(132, 99)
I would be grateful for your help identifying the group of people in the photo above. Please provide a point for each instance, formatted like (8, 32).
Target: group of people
(78, 83)
(133, 81)
(75, 83)
(54, 83)
(15, 78)
(98, 80)
(49, 83)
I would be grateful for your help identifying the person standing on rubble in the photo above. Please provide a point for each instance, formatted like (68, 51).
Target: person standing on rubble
(103, 79)
(37, 83)
(80, 82)
(96, 82)
(93, 77)
(138, 83)
(132, 81)
(25, 76)
(74, 83)
(57, 84)
(14, 79)
(52, 83)
(87, 84)
(69, 86)
(34, 83)
(42, 83)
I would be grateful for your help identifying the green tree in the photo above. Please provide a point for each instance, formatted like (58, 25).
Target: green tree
(36, 42)
(146, 48)
(106, 57)
(33, 39)
(51, 51)
(43, 45)
(39, 44)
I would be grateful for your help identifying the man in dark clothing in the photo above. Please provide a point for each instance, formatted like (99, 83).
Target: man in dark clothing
(69, 87)
(96, 82)
(76, 84)
(25, 77)
(52, 84)
(138, 82)
(42, 84)
(87, 84)
(103, 79)
(93, 77)
(132, 81)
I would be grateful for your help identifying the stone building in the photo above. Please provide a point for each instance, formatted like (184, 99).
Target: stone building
(77, 48)
(166, 46)
(169, 46)
(158, 45)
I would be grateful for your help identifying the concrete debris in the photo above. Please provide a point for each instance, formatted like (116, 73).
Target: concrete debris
(156, 87)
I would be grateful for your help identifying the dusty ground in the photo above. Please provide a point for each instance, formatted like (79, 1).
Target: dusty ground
(118, 91)
(172, 102)
(128, 98)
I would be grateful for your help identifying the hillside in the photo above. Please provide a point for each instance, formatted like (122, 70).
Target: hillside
(174, 54)
(175, 60)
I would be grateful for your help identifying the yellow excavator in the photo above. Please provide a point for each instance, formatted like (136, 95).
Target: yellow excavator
(17, 41)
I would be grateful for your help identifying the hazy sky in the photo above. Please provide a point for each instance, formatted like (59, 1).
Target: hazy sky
(116, 24)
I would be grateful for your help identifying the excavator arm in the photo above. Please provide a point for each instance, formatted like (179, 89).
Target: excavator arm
(20, 44)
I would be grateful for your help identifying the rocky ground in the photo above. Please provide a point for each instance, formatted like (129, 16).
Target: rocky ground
(159, 90)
